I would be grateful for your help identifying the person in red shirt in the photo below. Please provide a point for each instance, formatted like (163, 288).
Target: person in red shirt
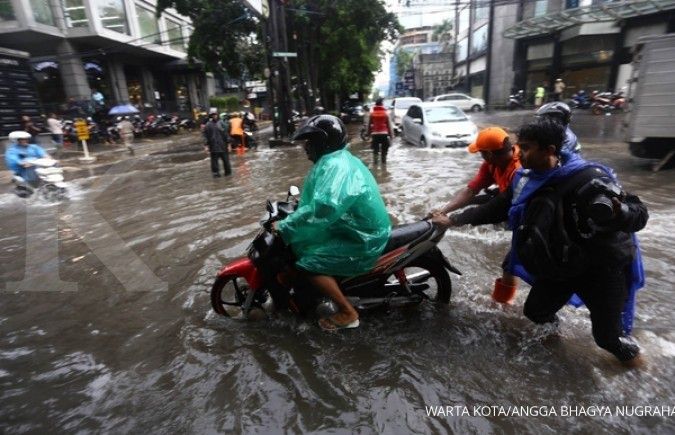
(501, 160)
(379, 127)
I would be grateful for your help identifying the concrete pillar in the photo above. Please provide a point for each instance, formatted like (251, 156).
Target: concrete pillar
(72, 72)
(148, 86)
(118, 81)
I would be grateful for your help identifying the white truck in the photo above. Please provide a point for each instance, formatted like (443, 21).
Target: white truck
(650, 121)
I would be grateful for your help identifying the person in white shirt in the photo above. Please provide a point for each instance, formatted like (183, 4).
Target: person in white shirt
(56, 129)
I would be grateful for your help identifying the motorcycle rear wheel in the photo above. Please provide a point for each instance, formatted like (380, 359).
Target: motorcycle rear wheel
(597, 110)
(228, 295)
(441, 287)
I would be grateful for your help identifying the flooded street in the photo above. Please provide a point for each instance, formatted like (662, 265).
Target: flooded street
(127, 341)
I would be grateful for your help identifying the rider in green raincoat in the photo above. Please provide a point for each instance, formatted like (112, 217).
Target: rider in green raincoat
(341, 225)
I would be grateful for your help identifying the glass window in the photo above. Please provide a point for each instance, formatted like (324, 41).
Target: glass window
(147, 24)
(41, 11)
(481, 13)
(464, 15)
(444, 114)
(479, 40)
(462, 49)
(75, 12)
(571, 4)
(540, 7)
(113, 16)
(175, 36)
(6, 11)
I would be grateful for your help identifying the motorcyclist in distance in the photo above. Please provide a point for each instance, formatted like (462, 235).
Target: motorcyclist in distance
(19, 153)
(561, 113)
(341, 225)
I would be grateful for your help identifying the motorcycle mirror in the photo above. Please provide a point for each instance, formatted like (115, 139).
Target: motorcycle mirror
(269, 206)
(293, 191)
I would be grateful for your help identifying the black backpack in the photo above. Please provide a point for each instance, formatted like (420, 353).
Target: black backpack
(543, 244)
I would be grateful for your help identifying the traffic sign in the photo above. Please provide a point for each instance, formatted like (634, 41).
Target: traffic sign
(284, 54)
(82, 129)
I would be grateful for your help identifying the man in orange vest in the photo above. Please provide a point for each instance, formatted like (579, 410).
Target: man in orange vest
(237, 130)
(379, 128)
(500, 162)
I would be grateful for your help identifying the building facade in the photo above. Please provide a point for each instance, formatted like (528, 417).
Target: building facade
(586, 43)
(412, 44)
(105, 52)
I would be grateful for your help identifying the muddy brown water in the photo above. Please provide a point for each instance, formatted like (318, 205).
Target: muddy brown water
(106, 357)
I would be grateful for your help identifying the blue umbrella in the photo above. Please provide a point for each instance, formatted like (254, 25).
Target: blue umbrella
(123, 109)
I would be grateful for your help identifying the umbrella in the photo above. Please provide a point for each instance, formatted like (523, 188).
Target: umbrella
(123, 109)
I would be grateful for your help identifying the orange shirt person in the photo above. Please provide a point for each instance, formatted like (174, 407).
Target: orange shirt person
(237, 131)
(501, 160)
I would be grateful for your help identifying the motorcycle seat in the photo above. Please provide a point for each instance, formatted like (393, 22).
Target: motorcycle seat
(403, 234)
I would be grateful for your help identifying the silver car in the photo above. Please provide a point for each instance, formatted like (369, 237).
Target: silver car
(437, 125)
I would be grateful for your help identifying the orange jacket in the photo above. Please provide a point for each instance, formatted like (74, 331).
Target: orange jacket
(236, 127)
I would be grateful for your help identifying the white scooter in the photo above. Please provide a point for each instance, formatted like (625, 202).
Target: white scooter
(48, 180)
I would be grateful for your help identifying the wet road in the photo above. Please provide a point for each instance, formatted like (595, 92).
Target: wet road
(126, 342)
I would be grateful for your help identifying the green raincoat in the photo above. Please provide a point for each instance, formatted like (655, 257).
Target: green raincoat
(341, 225)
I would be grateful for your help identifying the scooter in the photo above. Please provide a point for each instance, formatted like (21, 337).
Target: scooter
(579, 100)
(607, 102)
(48, 180)
(410, 271)
(516, 101)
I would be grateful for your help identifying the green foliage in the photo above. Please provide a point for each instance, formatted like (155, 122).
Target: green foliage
(443, 32)
(225, 103)
(344, 40)
(222, 35)
(404, 60)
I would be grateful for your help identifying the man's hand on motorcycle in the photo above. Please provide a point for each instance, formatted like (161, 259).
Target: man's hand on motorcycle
(441, 219)
(26, 164)
(431, 213)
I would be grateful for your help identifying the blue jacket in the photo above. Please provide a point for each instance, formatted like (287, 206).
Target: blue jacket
(570, 143)
(16, 154)
(525, 184)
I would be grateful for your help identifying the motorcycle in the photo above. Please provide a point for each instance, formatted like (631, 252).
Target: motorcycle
(579, 100)
(516, 101)
(410, 271)
(607, 102)
(48, 180)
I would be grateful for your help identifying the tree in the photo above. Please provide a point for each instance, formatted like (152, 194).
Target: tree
(224, 36)
(340, 41)
(404, 61)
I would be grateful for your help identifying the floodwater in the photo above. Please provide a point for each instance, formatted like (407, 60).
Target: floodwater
(127, 342)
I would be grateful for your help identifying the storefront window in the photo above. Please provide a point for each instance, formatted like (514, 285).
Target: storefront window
(6, 11)
(75, 12)
(147, 24)
(41, 11)
(113, 16)
(540, 7)
(571, 4)
(175, 36)
(479, 40)
(462, 50)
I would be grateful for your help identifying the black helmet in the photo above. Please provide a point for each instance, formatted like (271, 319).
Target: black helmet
(324, 134)
(556, 109)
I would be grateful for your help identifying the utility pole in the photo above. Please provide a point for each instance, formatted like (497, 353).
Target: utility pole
(488, 55)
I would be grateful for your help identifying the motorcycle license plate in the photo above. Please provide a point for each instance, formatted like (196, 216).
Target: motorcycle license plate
(457, 143)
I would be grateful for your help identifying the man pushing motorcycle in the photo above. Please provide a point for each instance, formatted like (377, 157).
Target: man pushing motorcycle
(341, 225)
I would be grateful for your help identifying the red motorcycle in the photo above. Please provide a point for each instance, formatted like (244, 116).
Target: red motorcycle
(607, 102)
(411, 270)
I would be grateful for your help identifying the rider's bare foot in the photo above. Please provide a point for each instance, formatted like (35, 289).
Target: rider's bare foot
(340, 320)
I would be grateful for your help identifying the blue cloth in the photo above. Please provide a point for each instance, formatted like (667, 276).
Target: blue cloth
(16, 154)
(570, 143)
(525, 184)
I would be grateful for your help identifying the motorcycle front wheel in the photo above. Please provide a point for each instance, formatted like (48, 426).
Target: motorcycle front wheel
(228, 295)
(426, 272)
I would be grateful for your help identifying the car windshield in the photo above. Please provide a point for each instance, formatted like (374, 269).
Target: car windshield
(444, 114)
(404, 104)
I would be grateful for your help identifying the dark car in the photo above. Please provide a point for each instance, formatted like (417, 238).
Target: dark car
(352, 112)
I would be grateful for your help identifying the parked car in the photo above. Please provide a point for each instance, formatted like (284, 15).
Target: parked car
(400, 106)
(352, 112)
(434, 124)
(463, 101)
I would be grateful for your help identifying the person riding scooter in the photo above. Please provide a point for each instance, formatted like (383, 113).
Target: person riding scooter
(19, 153)
(341, 225)
(561, 113)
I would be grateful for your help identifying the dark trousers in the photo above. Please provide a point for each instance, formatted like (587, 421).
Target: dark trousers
(215, 167)
(603, 289)
(380, 142)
